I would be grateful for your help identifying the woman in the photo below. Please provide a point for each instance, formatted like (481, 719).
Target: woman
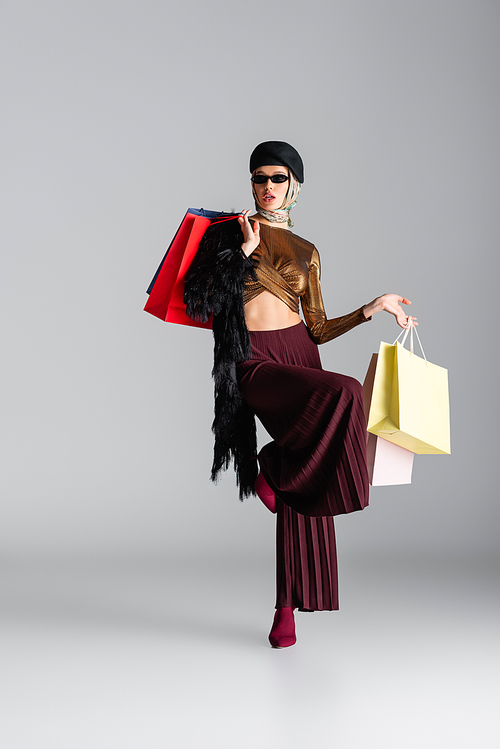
(267, 363)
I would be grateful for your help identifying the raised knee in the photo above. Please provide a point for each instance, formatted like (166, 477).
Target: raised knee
(353, 388)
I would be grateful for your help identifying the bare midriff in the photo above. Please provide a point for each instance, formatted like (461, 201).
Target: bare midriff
(267, 312)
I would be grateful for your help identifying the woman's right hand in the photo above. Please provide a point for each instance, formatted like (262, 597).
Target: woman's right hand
(251, 234)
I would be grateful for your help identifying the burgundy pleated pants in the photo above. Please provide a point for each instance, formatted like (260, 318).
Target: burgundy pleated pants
(316, 463)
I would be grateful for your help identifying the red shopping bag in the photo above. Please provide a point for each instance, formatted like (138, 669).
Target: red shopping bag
(166, 290)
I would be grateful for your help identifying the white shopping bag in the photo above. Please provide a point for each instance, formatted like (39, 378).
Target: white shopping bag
(388, 464)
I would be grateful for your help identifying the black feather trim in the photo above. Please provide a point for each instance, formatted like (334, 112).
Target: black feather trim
(214, 286)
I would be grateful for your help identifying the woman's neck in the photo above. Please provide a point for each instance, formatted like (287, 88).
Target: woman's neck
(262, 220)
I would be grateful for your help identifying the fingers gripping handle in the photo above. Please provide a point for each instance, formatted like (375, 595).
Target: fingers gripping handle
(404, 333)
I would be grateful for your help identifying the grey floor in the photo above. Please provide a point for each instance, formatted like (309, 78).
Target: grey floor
(157, 654)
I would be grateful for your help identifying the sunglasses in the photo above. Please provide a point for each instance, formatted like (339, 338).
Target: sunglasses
(260, 179)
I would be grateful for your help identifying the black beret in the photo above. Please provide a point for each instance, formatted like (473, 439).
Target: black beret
(277, 152)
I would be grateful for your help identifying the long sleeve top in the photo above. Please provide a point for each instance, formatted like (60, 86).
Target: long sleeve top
(289, 267)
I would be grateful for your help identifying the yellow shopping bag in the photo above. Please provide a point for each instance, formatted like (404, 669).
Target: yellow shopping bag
(410, 402)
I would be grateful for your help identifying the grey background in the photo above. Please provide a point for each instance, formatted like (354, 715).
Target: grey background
(119, 116)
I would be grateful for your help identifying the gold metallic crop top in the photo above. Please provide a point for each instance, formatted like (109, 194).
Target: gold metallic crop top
(289, 267)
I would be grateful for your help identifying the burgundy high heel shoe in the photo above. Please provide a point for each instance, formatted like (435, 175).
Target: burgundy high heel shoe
(265, 493)
(282, 634)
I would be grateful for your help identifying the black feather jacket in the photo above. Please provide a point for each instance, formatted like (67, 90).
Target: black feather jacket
(214, 286)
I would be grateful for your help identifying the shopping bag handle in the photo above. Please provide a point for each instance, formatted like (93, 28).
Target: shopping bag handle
(404, 333)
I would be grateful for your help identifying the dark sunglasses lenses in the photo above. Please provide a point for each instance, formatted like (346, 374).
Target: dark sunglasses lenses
(260, 179)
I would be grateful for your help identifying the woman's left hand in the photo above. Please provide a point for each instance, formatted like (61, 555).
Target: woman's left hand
(391, 303)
